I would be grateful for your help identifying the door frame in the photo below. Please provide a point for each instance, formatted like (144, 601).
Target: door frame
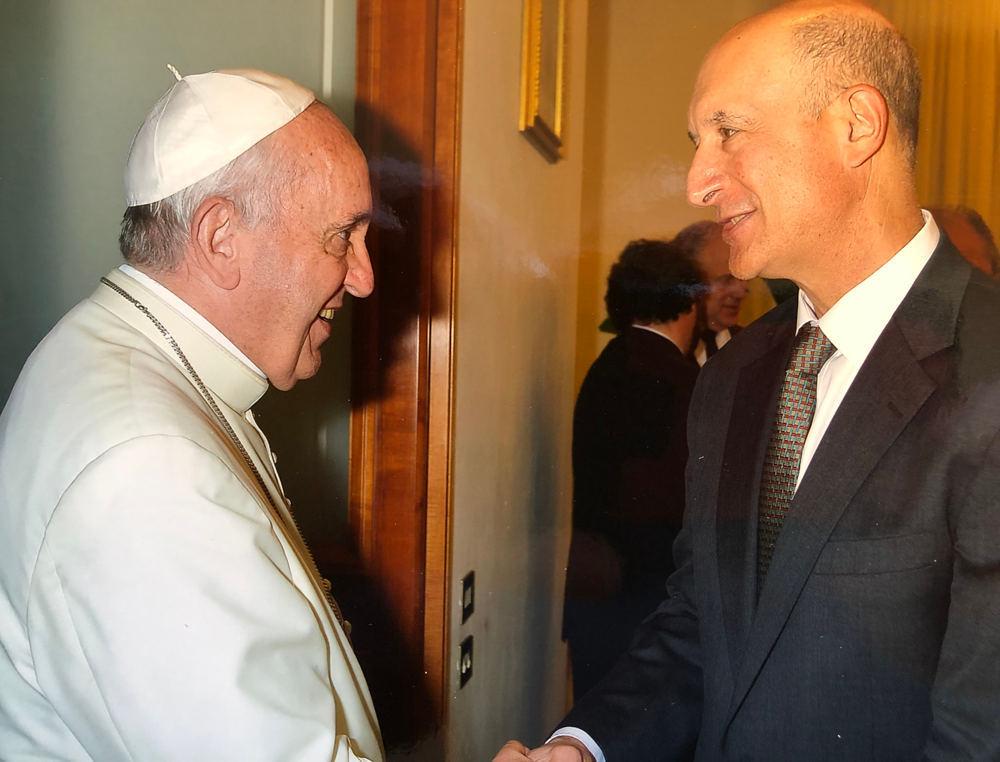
(407, 122)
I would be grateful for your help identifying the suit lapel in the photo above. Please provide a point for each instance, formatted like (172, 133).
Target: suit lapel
(887, 392)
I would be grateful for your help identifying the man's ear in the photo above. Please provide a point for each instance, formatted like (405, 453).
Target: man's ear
(867, 123)
(213, 230)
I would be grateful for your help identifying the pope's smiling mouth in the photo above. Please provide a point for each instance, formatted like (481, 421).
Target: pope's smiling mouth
(328, 313)
(738, 218)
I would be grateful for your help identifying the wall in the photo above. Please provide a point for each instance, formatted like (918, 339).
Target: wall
(519, 237)
(642, 62)
(78, 78)
(957, 44)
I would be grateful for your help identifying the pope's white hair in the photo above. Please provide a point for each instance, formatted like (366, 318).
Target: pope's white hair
(154, 236)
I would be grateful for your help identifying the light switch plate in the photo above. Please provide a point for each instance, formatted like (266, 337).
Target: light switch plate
(465, 662)
(468, 595)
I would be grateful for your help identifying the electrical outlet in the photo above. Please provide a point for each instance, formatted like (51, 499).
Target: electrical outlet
(465, 662)
(468, 596)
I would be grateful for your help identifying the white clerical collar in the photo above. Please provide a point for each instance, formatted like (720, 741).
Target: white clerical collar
(191, 314)
(858, 318)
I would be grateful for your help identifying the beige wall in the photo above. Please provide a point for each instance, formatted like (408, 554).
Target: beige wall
(642, 61)
(517, 270)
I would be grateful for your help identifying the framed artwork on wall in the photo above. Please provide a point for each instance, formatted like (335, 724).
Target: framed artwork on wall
(542, 76)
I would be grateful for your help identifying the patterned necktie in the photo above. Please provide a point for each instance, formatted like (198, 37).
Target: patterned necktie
(784, 448)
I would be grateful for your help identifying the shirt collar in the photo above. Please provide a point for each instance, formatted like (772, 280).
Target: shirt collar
(190, 313)
(858, 318)
(658, 333)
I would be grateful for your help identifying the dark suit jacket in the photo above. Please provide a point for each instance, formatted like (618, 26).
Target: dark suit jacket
(877, 636)
(629, 453)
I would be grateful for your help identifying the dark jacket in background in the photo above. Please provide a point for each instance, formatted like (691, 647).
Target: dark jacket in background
(629, 453)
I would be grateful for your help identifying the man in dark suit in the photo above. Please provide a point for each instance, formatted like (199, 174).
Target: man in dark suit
(838, 587)
(629, 453)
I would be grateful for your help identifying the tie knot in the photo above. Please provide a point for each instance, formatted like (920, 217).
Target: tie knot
(811, 350)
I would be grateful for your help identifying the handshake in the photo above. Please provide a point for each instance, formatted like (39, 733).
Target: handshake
(559, 749)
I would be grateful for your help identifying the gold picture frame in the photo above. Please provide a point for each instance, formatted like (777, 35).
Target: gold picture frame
(543, 69)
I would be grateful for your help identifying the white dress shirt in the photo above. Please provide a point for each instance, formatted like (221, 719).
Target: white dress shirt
(721, 339)
(853, 324)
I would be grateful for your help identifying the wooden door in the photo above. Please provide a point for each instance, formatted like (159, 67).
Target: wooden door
(408, 74)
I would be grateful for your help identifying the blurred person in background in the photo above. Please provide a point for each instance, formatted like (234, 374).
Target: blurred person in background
(721, 305)
(629, 453)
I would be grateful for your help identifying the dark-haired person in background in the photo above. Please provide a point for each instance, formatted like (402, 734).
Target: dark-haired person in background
(629, 453)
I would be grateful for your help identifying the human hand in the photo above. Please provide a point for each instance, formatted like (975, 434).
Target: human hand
(513, 751)
(559, 749)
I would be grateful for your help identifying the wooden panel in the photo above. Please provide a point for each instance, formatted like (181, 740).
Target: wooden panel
(442, 337)
(407, 113)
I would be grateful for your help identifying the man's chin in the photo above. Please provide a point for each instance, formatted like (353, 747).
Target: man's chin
(306, 366)
(309, 359)
(286, 383)
(746, 265)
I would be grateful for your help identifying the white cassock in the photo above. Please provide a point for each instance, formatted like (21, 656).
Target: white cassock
(154, 603)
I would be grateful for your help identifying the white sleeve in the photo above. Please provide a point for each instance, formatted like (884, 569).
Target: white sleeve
(164, 624)
(583, 737)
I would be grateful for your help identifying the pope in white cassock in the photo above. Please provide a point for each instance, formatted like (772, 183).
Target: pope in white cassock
(156, 599)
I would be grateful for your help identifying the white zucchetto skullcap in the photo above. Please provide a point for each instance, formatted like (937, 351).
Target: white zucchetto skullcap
(204, 122)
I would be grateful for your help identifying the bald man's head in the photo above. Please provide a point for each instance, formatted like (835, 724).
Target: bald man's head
(837, 44)
(850, 44)
(804, 121)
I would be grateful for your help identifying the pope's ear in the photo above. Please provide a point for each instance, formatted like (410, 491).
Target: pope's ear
(866, 118)
(213, 236)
